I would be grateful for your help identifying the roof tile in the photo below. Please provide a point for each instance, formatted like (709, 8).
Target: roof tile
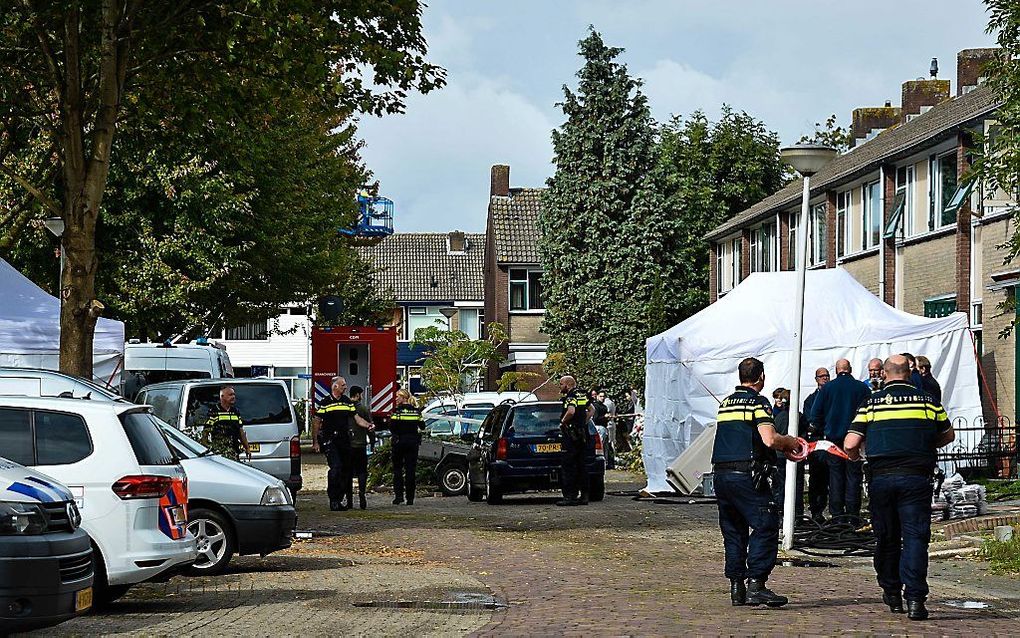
(515, 225)
(419, 267)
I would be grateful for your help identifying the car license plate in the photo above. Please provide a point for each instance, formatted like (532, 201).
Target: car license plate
(547, 447)
(83, 599)
(177, 515)
(254, 448)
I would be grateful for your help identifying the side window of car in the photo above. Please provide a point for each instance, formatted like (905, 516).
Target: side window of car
(61, 439)
(492, 424)
(201, 399)
(165, 402)
(16, 436)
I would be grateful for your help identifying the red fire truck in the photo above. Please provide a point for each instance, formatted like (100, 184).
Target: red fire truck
(364, 356)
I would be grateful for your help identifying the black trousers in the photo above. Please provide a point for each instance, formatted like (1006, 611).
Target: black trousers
(405, 464)
(846, 480)
(901, 515)
(749, 525)
(818, 486)
(574, 479)
(359, 467)
(779, 487)
(338, 478)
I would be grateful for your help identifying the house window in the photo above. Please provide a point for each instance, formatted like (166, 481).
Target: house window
(526, 289)
(791, 261)
(470, 321)
(940, 306)
(905, 185)
(424, 317)
(842, 206)
(719, 273)
(872, 215)
(254, 331)
(764, 255)
(736, 253)
(943, 187)
(819, 235)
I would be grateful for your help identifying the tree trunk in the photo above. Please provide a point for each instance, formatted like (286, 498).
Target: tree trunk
(79, 310)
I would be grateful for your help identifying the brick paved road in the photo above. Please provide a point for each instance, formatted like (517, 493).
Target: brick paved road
(617, 568)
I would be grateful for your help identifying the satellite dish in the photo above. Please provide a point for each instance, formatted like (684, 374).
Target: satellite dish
(330, 307)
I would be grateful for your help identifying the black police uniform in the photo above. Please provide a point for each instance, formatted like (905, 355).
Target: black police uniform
(406, 425)
(901, 425)
(336, 414)
(747, 513)
(223, 432)
(817, 466)
(574, 479)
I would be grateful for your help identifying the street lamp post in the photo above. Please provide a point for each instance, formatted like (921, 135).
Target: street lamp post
(806, 159)
(56, 227)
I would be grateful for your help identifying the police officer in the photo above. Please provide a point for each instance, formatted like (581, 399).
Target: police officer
(331, 432)
(743, 462)
(406, 425)
(903, 427)
(817, 465)
(576, 412)
(224, 431)
(360, 432)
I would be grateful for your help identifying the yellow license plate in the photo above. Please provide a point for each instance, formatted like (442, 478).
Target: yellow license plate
(547, 447)
(83, 599)
(254, 448)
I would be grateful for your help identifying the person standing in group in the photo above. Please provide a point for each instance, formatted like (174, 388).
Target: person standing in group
(224, 430)
(781, 416)
(875, 379)
(832, 411)
(610, 441)
(600, 417)
(574, 417)
(817, 465)
(360, 431)
(331, 433)
(915, 376)
(928, 382)
(743, 463)
(406, 426)
(903, 428)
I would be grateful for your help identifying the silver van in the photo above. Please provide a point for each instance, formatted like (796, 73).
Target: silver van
(265, 409)
(148, 363)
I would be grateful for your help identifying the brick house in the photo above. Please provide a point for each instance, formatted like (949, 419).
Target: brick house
(896, 213)
(428, 272)
(513, 287)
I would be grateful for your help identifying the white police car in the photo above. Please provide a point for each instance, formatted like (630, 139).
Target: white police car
(45, 558)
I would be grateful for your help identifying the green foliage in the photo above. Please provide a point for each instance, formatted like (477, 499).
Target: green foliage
(1003, 556)
(631, 460)
(599, 246)
(454, 362)
(1000, 490)
(831, 134)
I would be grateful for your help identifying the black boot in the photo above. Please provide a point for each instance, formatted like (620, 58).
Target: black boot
(334, 506)
(895, 602)
(584, 499)
(567, 502)
(738, 592)
(363, 503)
(759, 594)
(916, 610)
(398, 500)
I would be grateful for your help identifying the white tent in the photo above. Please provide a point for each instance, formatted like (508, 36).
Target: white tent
(30, 329)
(694, 364)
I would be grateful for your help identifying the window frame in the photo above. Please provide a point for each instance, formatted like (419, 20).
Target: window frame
(818, 249)
(34, 438)
(871, 211)
(529, 283)
(843, 201)
(248, 332)
(937, 195)
(764, 247)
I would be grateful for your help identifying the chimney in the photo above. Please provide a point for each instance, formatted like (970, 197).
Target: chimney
(499, 184)
(456, 241)
(970, 68)
(921, 95)
(868, 122)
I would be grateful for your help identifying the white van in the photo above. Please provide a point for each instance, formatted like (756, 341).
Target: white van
(148, 363)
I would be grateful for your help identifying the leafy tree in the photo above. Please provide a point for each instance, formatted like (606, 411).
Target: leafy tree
(600, 246)
(455, 362)
(708, 172)
(75, 73)
(831, 134)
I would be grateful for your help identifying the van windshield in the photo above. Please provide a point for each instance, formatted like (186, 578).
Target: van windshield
(257, 403)
(535, 419)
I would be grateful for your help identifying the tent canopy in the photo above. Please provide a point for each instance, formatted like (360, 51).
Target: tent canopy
(30, 328)
(692, 366)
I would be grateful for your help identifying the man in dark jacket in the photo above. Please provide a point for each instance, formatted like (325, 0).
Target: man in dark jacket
(817, 465)
(928, 382)
(833, 410)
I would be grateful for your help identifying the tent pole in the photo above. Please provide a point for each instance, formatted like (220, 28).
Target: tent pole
(790, 494)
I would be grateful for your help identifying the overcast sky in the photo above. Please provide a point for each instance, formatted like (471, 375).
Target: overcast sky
(790, 63)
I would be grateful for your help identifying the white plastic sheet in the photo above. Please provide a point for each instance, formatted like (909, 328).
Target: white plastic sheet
(694, 364)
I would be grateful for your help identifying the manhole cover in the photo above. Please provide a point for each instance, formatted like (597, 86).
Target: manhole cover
(800, 562)
(454, 600)
(967, 604)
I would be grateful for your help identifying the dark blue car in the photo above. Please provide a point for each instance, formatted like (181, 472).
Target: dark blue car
(517, 449)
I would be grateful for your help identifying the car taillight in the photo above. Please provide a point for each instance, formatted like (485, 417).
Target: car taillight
(142, 486)
(599, 451)
(295, 447)
(501, 448)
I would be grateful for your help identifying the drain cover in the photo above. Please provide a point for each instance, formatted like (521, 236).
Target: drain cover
(455, 600)
(967, 604)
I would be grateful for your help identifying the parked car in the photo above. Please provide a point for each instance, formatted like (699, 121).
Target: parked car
(148, 363)
(36, 382)
(45, 557)
(265, 408)
(517, 450)
(126, 482)
(232, 508)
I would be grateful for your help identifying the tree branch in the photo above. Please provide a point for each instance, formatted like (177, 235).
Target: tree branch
(35, 191)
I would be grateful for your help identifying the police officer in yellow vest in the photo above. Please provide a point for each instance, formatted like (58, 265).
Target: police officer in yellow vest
(744, 466)
(574, 417)
(406, 425)
(331, 432)
(903, 427)
(224, 431)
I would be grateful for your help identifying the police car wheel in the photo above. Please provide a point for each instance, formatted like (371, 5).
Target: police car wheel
(597, 487)
(453, 479)
(493, 494)
(215, 541)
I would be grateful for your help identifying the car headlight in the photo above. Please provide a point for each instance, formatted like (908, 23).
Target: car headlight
(275, 496)
(21, 518)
